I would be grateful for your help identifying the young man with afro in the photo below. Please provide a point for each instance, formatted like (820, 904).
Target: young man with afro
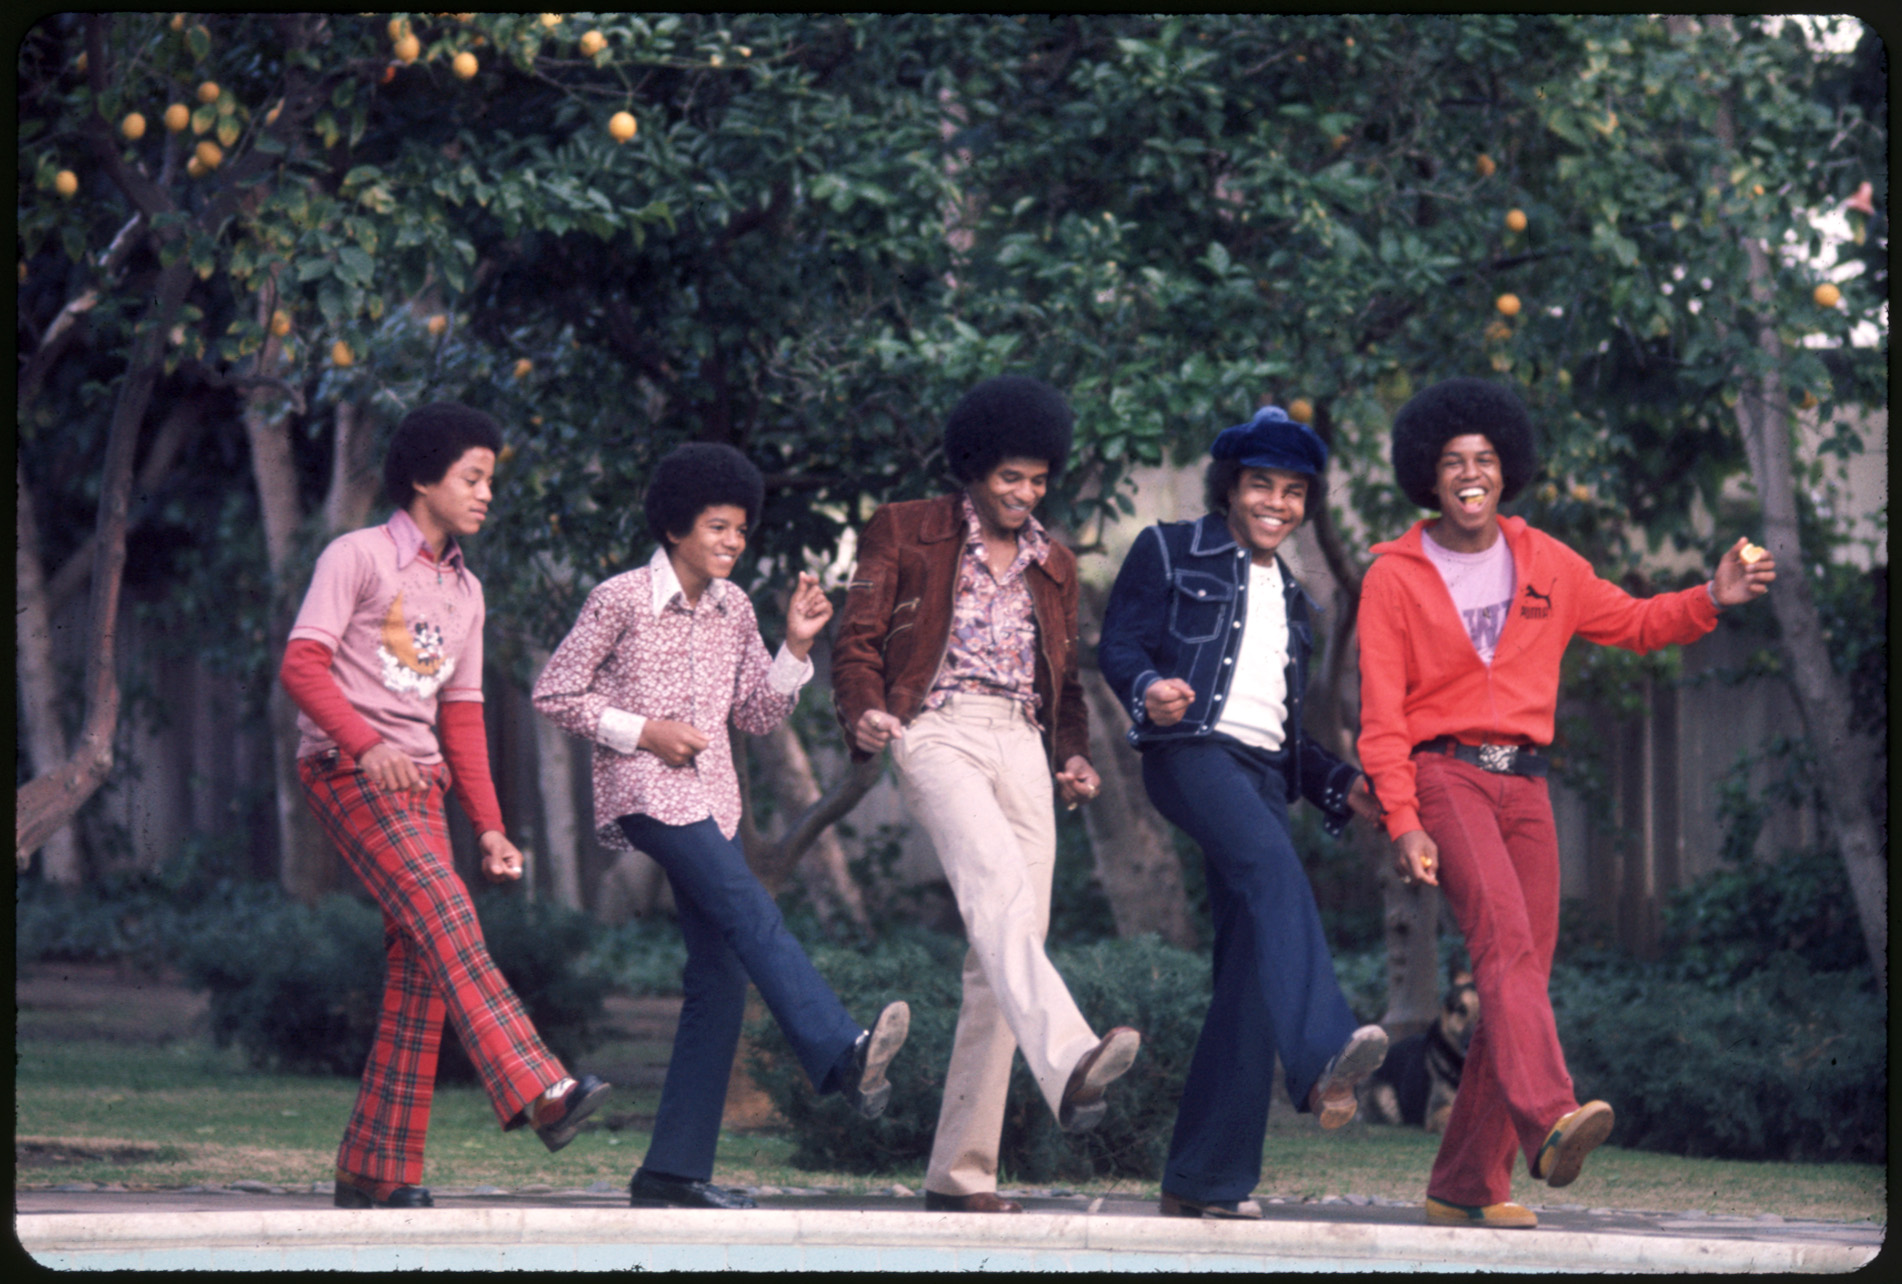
(958, 648)
(1462, 624)
(1205, 643)
(385, 667)
(660, 660)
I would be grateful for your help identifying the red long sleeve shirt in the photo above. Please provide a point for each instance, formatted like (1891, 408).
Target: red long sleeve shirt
(306, 675)
(1421, 679)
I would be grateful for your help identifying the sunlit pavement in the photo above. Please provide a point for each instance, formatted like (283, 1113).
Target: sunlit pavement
(262, 1228)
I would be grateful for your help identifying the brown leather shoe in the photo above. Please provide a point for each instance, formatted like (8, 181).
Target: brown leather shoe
(1332, 1099)
(1246, 1210)
(1083, 1106)
(984, 1201)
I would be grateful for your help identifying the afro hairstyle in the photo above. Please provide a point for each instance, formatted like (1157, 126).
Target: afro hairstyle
(692, 478)
(428, 441)
(1452, 408)
(1008, 417)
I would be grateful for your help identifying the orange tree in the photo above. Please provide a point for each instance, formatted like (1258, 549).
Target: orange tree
(824, 226)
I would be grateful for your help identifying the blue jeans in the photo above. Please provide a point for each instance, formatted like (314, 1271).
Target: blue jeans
(733, 931)
(1274, 984)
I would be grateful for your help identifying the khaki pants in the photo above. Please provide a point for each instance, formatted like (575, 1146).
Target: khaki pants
(973, 773)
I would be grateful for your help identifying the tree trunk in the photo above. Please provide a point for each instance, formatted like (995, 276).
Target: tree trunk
(554, 763)
(45, 803)
(39, 683)
(1850, 763)
(1136, 861)
(307, 867)
(819, 855)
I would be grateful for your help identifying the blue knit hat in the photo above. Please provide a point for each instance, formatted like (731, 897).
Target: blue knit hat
(1272, 440)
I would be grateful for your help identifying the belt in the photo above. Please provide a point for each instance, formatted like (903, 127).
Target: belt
(1504, 760)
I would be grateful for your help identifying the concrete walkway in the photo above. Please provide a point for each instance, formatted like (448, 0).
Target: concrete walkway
(260, 1228)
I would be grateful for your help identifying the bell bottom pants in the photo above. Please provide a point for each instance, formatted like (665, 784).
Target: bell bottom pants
(1274, 983)
(1499, 869)
(733, 931)
(436, 964)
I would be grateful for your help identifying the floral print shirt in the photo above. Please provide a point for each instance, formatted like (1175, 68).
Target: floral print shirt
(993, 644)
(638, 651)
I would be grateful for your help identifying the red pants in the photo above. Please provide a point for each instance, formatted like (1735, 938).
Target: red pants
(1499, 869)
(437, 964)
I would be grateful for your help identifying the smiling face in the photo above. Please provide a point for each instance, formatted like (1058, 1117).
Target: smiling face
(1005, 496)
(459, 503)
(1468, 481)
(1264, 507)
(709, 551)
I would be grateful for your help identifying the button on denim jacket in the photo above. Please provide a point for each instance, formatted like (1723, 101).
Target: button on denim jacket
(1178, 610)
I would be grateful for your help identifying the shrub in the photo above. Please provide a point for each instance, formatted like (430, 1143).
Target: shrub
(299, 989)
(1788, 1064)
(1158, 989)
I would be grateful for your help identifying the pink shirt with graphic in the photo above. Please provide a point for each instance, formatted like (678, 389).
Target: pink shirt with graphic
(406, 632)
(1481, 586)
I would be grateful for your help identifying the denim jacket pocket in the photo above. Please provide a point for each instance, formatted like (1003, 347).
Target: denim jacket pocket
(1200, 605)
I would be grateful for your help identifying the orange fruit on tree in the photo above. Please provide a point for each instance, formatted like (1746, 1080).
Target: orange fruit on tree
(208, 92)
(177, 117)
(195, 168)
(209, 154)
(280, 323)
(1508, 304)
(408, 49)
(465, 65)
(1827, 295)
(522, 366)
(593, 42)
(66, 183)
(133, 126)
(622, 126)
(398, 28)
(1301, 410)
(551, 20)
(341, 355)
(1485, 165)
(1516, 220)
(437, 324)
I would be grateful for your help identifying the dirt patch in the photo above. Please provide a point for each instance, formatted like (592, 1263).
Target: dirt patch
(60, 1154)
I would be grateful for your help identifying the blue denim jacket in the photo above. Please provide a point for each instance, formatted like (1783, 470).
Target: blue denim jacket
(1178, 611)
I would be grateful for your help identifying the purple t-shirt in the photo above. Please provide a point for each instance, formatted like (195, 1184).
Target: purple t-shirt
(1481, 585)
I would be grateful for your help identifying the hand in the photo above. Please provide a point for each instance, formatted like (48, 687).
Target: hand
(876, 729)
(391, 769)
(674, 743)
(501, 860)
(1362, 801)
(1417, 857)
(806, 614)
(1078, 781)
(1738, 581)
(1167, 699)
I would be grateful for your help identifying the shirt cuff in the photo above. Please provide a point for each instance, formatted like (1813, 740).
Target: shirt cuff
(788, 673)
(620, 730)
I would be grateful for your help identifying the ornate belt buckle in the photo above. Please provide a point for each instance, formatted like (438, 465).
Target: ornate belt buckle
(1497, 758)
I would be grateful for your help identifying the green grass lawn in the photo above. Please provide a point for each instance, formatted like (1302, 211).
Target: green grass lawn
(179, 1112)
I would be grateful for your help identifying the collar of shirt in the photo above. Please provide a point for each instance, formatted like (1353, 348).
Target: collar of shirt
(666, 584)
(1033, 545)
(410, 541)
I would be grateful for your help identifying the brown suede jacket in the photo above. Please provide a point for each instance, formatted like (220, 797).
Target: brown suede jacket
(897, 623)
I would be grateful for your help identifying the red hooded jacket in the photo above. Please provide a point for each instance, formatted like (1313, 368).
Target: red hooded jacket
(1421, 679)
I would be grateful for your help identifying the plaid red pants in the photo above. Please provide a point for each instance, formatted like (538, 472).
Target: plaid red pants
(436, 965)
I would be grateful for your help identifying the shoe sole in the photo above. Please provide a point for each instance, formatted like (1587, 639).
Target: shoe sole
(1176, 1206)
(1366, 1049)
(1577, 1136)
(1441, 1213)
(559, 1135)
(888, 1036)
(1087, 1109)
